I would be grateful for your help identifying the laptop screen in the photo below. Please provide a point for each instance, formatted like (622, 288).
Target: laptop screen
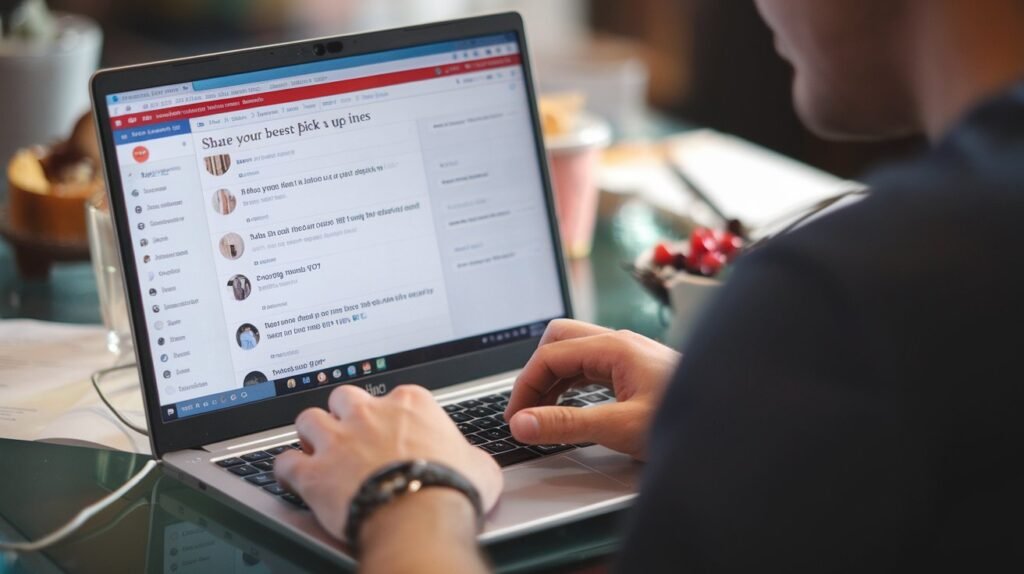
(322, 223)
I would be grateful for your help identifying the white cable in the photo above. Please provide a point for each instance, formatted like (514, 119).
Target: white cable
(82, 517)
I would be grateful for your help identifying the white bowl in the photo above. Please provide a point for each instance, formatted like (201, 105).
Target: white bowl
(687, 293)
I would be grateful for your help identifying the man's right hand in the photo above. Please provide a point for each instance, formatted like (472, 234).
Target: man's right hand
(572, 353)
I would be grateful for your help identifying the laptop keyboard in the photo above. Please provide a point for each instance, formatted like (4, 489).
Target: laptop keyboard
(480, 420)
(257, 468)
(482, 423)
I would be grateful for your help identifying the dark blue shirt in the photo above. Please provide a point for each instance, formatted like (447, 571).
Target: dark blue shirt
(853, 401)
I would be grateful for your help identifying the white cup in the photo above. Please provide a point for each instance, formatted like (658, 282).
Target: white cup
(44, 86)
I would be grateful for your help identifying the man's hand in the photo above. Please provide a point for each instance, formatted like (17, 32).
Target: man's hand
(362, 434)
(572, 354)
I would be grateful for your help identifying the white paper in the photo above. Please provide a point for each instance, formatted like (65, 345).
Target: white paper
(45, 392)
(748, 182)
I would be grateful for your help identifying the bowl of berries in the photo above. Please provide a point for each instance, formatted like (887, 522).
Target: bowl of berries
(683, 275)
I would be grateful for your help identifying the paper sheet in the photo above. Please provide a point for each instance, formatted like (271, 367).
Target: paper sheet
(745, 181)
(45, 393)
(751, 183)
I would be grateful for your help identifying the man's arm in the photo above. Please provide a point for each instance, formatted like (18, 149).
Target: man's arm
(432, 530)
(429, 530)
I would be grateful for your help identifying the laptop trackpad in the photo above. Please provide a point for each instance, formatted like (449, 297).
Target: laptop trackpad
(545, 489)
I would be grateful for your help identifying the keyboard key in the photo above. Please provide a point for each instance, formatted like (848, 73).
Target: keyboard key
(498, 446)
(451, 408)
(570, 394)
(275, 488)
(493, 434)
(296, 445)
(492, 399)
(244, 470)
(593, 398)
(466, 428)
(470, 404)
(514, 456)
(261, 479)
(233, 461)
(551, 448)
(278, 449)
(592, 388)
(460, 417)
(264, 465)
(479, 412)
(584, 444)
(607, 394)
(475, 440)
(489, 423)
(254, 456)
(515, 442)
(292, 498)
(573, 403)
(506, 394)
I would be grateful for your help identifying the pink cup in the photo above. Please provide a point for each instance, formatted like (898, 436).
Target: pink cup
(573, 159)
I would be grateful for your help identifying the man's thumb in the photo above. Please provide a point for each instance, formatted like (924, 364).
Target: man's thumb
(555, 425)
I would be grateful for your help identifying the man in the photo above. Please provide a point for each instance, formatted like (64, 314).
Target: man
(848, 403)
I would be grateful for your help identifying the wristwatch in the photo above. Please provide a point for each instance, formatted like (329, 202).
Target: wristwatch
(398, 479)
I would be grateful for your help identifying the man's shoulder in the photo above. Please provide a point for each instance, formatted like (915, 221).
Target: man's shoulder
(919, 220)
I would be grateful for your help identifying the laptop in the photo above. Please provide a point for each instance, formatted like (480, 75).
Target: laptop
(371, 210)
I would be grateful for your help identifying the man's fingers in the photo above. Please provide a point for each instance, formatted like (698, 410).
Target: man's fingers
(562, 329)
(591, 357)
(313, 427)
(290, 467)
(344, 398)
(556, 425)
(550, 397)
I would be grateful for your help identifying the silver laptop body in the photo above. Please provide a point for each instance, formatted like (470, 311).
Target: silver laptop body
(372, 209)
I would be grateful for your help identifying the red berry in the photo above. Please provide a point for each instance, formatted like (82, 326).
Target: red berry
(711, 263)
(662, 255)
(702, 240)
(693, 263)
(729, 244)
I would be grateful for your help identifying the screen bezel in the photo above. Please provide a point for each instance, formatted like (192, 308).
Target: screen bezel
(237, 421)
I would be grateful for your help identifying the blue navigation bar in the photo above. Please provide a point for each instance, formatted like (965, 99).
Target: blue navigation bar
(214, 402)
(140, 134)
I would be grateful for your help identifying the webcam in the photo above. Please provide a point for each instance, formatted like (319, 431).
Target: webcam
(332, 47)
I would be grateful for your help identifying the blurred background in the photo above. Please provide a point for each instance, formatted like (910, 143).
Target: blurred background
(649, 70)
(710, 62)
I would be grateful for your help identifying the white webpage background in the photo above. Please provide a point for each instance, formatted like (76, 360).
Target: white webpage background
(479, 241)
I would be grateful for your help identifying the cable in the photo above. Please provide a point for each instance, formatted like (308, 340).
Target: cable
(83, 515)
(95, 378)
(93, 509)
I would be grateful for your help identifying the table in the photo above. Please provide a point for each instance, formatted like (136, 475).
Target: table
(165, 526)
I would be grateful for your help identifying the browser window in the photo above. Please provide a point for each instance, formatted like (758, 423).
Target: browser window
(321, 223)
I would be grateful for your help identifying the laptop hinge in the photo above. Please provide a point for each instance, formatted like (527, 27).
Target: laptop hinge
(491, 384)
(286, 434)
(254, 441)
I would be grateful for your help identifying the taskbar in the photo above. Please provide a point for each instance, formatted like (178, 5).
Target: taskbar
(349, 372)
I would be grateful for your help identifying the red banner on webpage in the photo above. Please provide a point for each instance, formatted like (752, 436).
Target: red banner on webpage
(309, 92)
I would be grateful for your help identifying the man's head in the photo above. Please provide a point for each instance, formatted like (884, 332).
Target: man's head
(849, 58)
